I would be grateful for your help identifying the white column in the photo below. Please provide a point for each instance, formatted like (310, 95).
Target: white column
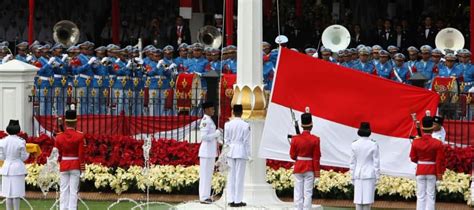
(16, 84)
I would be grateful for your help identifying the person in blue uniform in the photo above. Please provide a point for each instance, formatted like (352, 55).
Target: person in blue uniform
(326, 54)
(159, 84)
(425, 66)
(230, 65)
(198, 62)
(100, 82)
(340, 57)
(412, 58)
(122, 82)
(392, 50)
(310, 51)
(83, 76)
(214, 62)
(60, 67)
(182, 57)
(21, 51)
(437, 58)
(375, 54)
(384, 67)
(363, 64)
(44, 82)
(448, 70)
(266, 48)
(465, 66)
(400, 71)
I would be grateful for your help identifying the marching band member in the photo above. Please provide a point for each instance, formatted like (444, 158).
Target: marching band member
(384, 67)
(305, 151)
(363, 64)
(70, 145)
(425, 66)
(207, 152)
(448, 69)
(182, 58)
(237, 138)
(428, 153)
(100, 81)
(467, 68)
(364, 167)
(412, 59)
(375, 54)
(13, 171)
(310, 51)
(400, 72)
(21, 51)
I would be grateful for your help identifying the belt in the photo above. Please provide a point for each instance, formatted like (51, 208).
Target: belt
(303, 158)
(43, 78)
(97, 77)
(158, 77)
(70, 158)
(121, 77)
(426, 163)
(84, 76)
(58, 76)
(112, 76)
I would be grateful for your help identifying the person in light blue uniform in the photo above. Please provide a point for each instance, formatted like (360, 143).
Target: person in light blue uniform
(392, 50)
(425, 66)
(326, 54)
(363, 64)
(268, 73)
(437, 58)
(215, 63)
(45, 82)
(354, 55)
(400, 71)
(100, 82)
(340, 57)
(5, 55)
(84, 75)
(230, 65)
(384, 66)
(159, 77)
(21, 51)
(198, 62)
(60, 68)
(123, 83)
(310, 51)
(448, 70)
(375, 54)
(412, 58)
(182, 58)
(465, 66)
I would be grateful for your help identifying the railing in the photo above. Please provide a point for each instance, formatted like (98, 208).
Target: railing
(457, 111)
(171, 113)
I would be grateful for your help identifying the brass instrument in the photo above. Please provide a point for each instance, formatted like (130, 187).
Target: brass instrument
(449, 38)
(210, 36)
(66, 32)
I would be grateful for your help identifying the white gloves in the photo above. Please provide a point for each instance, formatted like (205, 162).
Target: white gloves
(29, 58)
(199, 74)
(172, 66)
(316, 181)
(129, 64)
(65, 56)
(51, 60)
(139, 61)
(160, 63)
(92, 60)
(105, 60)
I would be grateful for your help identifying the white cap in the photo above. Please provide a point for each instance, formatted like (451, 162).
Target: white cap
(217, 16)
(281, 39)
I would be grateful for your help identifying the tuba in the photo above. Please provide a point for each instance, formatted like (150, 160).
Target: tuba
(66, 32)
(210, 36)
(449, 38)
(336, 37)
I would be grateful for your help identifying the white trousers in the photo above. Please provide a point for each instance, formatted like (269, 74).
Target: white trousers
(425, 192)
(13, 203)
(206, 169)
(69, 188)
(362, 206)
(303, 190)
(235, 180)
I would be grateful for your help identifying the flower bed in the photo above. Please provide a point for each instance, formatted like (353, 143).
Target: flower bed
(115, 165)
(184, 180)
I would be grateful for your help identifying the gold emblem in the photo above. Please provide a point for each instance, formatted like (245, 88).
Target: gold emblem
(172, 83)
(184, 83)
(76, 82)
(88, 82)
(135, 82)
(51, 81)
(63, 81)
(142, 93)
(129, 93)
(56, 91)
(111, 82)
(93, 92)
(99, 82)
(105, 92)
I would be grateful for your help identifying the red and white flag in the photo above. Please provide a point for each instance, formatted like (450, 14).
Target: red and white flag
(340, 99)
(186, 8)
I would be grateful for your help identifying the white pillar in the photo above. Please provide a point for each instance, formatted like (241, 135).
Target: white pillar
(16, 85)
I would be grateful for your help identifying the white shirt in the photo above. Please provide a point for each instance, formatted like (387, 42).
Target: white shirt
(209, 135)
(440, 135)
(13, 152)
(399, 40)
(237, 136)
(365, 159)
(427, 32)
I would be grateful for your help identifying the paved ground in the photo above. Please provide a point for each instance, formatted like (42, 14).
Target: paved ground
(334, 204)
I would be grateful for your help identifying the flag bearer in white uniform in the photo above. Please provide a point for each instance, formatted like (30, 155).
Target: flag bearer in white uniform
(237, 137)
(13, 153)
(207, 152)
(305, 150)
(364, 167)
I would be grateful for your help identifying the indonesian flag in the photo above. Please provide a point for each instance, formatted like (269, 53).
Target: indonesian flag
(340, 99)
(186, 8)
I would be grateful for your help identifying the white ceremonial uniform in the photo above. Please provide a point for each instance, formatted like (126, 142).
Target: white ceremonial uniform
(237, 137)
(440, 135)
(13, 153)
(207, 155)
(365, 171)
